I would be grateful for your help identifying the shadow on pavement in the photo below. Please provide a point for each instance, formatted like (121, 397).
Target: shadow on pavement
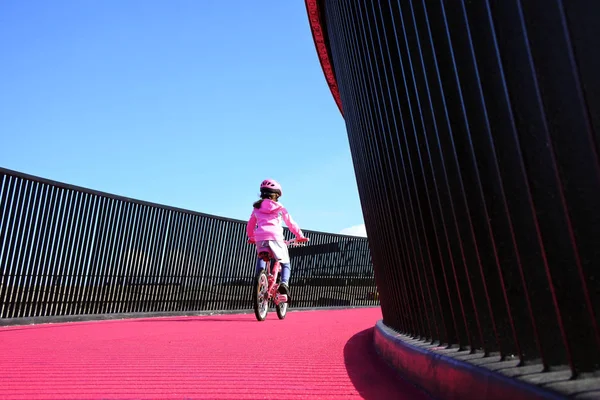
(371, 376)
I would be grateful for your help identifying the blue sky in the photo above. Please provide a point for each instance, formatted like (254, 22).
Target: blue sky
(189, 103)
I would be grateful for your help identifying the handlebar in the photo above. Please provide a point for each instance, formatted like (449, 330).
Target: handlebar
(297, 241)
(293, 242)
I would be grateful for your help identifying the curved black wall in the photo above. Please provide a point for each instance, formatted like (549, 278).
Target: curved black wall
(67, 251)
(475, 128)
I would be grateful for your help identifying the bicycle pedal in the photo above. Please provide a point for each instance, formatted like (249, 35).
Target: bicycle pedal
(282, 298)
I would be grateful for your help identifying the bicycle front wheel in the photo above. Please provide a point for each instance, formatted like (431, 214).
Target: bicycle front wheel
(261, 296)
(281, 310)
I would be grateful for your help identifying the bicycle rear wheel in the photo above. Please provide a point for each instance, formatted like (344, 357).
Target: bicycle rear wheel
(260, 296)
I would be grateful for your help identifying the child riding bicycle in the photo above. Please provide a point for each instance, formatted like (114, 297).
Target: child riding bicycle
(265, 230)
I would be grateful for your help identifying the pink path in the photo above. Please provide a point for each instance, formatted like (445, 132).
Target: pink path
(309, 355)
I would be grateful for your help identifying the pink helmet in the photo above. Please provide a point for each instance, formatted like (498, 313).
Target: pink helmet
(272, 185)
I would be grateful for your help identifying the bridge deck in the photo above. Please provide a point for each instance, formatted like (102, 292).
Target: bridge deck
(314, 354)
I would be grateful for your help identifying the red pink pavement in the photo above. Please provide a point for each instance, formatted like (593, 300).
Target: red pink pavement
(309, 355)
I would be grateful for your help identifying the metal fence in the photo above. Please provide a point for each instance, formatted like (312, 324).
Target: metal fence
(475, 130)
(65, 250)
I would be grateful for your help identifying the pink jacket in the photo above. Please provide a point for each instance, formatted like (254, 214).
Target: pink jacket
(265, 222)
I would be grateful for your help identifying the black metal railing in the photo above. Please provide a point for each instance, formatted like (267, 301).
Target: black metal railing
(475, 129)
(66, 250)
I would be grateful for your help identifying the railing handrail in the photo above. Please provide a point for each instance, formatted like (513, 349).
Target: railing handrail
(82, 189)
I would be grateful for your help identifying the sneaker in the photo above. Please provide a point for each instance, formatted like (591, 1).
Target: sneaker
(284, 289)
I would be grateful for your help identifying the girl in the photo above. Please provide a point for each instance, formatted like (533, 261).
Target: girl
(265, 230)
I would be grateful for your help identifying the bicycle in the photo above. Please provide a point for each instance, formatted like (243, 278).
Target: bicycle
(266, 285)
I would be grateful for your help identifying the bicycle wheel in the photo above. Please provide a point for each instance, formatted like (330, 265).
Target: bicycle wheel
(260, 296)
(281, 310)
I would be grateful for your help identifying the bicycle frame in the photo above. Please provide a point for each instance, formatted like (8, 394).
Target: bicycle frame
(272, 274)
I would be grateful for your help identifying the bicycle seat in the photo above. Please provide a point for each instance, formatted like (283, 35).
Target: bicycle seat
(265, 255)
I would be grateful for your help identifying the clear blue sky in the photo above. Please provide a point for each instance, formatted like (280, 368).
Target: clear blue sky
(189, 103)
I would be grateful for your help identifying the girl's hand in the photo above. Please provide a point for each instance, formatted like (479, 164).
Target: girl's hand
(302, 239)
(251, 241)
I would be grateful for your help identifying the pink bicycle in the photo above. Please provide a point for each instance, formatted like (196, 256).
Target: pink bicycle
(266, 285)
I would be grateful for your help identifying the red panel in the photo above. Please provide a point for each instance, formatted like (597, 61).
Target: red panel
(314, 18)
